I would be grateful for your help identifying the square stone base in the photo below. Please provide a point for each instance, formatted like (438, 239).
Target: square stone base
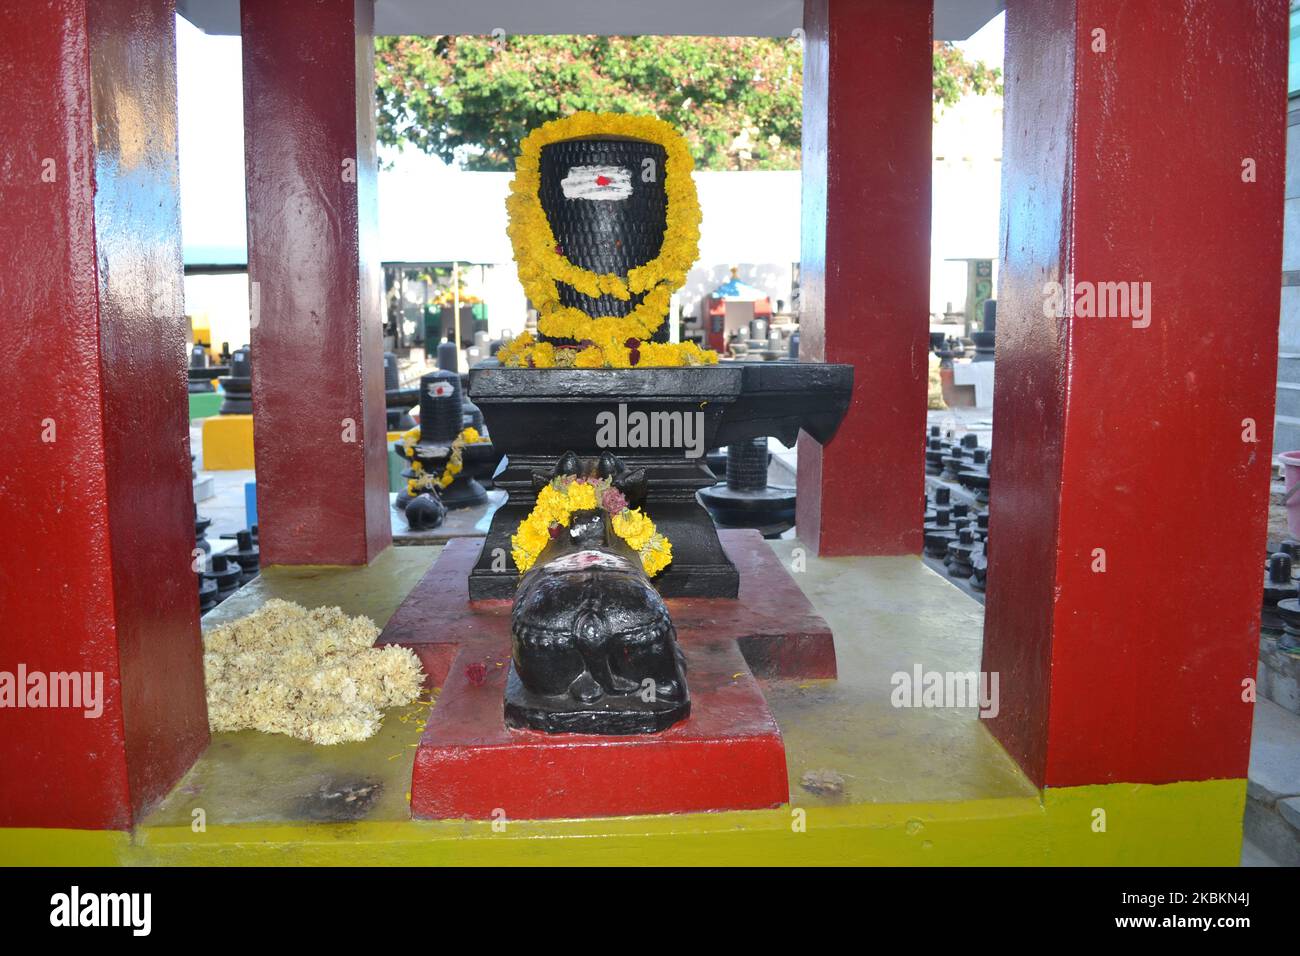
(728, 755)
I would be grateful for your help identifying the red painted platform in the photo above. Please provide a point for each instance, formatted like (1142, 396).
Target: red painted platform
(727, 756)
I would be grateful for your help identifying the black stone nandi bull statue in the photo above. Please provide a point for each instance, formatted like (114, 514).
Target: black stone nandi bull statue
(593, 648)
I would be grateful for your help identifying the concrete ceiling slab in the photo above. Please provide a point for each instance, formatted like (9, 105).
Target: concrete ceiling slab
(953, 19)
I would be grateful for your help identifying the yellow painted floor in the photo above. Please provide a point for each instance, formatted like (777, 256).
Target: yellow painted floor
(921, 785)
(888, 614)
(254, 777)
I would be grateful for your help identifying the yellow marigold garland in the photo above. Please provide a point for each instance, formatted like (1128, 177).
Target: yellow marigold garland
(555, 506)
(455, 461)
(543, 267)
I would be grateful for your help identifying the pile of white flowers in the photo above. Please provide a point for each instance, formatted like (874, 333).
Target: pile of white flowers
(314, 675)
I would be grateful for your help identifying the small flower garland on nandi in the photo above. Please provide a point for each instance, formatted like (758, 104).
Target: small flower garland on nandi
(455, 461)
(557, 502)
(607, 341)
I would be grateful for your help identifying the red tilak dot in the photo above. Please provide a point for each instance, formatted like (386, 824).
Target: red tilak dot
(602, 180)
(555, 530)
(559, 249)
(476, 673)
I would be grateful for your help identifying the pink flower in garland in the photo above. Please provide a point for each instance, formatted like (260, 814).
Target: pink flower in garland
(613, 501)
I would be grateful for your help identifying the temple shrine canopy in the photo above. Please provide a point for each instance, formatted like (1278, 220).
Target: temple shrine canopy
(1072, 700)
(740, 291)
(953, 19)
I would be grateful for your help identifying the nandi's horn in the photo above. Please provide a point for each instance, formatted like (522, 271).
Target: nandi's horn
(568, 464)
(608, 466)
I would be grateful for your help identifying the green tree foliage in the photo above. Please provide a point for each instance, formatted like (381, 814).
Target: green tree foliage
(738, 100)
(955, 76)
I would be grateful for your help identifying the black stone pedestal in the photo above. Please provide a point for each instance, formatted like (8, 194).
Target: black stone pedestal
(535, 415)
(613, 716)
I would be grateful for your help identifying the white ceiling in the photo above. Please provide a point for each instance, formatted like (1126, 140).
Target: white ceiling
(953, 19)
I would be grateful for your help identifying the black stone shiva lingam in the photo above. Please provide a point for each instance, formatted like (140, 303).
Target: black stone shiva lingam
(397, 400)
(593, 649)
(745, 499)
(439, 446)
(237, 386)
(604, 222)
(601, 234)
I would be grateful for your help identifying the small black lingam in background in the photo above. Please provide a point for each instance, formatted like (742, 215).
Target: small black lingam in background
(238, 385)
(397, 400)
(593, 649)
(199, 382)
(439, 447)
(745, 499)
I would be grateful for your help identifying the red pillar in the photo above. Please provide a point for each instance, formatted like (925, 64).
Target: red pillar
(865, 274)
(318, 388)
(1143, 143)
(95, 496)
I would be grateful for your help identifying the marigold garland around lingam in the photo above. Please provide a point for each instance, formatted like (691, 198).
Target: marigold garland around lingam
(604, 341)
(557, 502)
(455, 461)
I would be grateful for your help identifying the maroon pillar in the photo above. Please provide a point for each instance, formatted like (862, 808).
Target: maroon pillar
(1143, 145)
(318, 389)
(865, 274)
(101, 668)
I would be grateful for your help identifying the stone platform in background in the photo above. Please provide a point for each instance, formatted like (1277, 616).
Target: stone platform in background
(728, 755)
(1272, 819)
(975, 379)
(459, 523)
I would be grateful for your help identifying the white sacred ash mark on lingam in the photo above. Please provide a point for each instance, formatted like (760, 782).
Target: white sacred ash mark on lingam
(597, 182)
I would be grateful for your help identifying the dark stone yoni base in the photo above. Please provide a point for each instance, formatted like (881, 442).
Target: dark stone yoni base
(534, 415)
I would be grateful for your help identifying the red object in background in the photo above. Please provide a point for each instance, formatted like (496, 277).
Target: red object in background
(96, 498)
(865, 273)
(716, 319)
(1124, 445)
(318, 389)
